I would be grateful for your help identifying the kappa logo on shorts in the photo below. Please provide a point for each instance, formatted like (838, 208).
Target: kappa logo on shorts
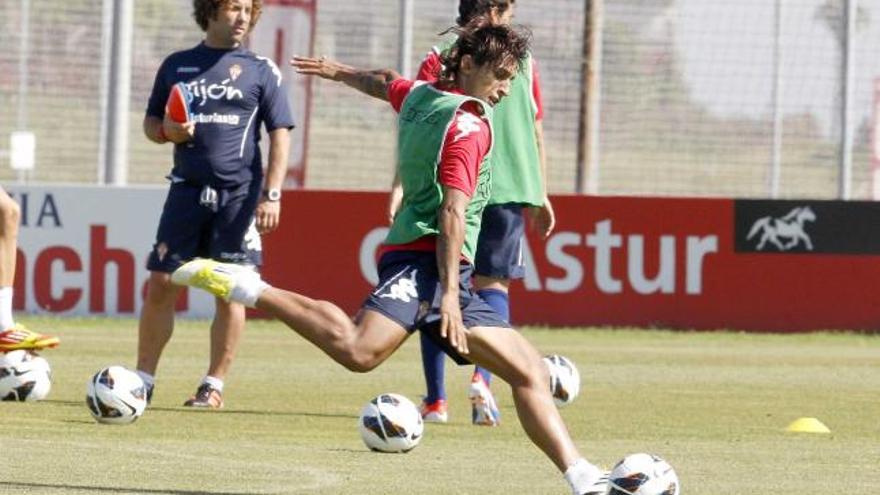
(403, 290)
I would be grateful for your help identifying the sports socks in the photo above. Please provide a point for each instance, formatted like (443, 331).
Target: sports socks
(248, 289)
(433, 365)
(6, 319)
(214, 382)
(499, 301)
(148, 379)
(581, 476)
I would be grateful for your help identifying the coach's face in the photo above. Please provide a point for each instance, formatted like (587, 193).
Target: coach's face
(232, 22)
(486, 82)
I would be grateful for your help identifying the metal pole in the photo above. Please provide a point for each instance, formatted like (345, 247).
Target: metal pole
(588, 130)
(406, 38)
(847, 77)
(106, 46)
(119, 91)
(23, 76)
(776, 164)
(23, 55)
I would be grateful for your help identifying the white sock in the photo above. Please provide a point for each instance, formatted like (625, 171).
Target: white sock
(248, 289)
(6, 319)
(149, 380)
(581, 476)
(214, 382)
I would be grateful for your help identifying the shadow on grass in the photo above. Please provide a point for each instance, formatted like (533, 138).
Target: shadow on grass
(109, 489)
(194, 410)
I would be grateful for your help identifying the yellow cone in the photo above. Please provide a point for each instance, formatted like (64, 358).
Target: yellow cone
(807, 425)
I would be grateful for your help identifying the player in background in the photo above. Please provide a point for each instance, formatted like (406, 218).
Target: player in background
(217, 202)
(13, 336)
(518, 183)
(445, 134)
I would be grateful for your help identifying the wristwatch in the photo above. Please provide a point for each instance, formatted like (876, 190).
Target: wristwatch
(272, 194)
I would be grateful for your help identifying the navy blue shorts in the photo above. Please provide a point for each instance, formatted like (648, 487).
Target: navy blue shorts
(409, 293)
(224, 231)
(500, 245)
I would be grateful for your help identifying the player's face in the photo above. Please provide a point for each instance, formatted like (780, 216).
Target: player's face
(486, 82)
(232, 22)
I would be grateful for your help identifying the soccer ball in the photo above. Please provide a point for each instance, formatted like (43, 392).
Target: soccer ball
(565, 381)
(391, 423)
(643, 474)
(116, 395)
(24, 376)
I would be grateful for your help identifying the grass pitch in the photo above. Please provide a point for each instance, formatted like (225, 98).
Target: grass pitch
(715, 405)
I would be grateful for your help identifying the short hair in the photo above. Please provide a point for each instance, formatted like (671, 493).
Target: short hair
(469, 9)
(205, 10)
(486, 43)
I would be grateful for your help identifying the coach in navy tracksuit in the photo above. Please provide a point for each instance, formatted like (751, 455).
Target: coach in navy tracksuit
(217, 202)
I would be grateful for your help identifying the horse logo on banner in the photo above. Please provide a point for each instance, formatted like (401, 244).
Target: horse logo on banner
(789, 228)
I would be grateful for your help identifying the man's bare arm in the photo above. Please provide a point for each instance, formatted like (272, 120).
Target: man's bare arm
(371, 82)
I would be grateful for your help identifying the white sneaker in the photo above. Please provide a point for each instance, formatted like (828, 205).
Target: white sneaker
(600, 486)
(484, 410)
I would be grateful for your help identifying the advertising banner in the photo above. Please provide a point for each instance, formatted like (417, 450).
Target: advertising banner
(618, 261)
(83, 250)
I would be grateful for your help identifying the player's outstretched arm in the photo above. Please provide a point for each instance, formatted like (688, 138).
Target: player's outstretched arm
(372, 82)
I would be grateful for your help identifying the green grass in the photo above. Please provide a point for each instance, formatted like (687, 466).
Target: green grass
(714, 404)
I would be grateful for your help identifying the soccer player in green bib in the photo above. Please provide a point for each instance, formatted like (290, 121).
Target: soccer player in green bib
(518, 185)
(445, 138)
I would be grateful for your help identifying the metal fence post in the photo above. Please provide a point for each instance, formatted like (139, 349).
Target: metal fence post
(847, 78)
(778, 54)
(588, 125)
(118, 95)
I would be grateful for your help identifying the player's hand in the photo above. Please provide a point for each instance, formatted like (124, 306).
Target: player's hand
(395, 198)
(177, 132)
(451, 325)
(268, 216)
(321, 67)
(542, 219)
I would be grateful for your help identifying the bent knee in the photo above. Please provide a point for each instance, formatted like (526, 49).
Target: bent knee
(161, 291)
(531, 373)
(361, 362)
(10, 216)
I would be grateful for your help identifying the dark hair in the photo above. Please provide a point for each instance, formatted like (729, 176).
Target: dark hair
(487, 43)
(468, 9)
(205, 10)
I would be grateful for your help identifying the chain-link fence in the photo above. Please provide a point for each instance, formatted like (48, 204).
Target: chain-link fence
(691, 90)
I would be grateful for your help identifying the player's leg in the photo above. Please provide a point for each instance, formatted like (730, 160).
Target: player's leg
(178, 238)
(156, 324)
(433, 407)
(233, 238)
(385, 321)
(510, 356)
(13, 336)
(226, 331)
(359, 345)
(499, 258)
